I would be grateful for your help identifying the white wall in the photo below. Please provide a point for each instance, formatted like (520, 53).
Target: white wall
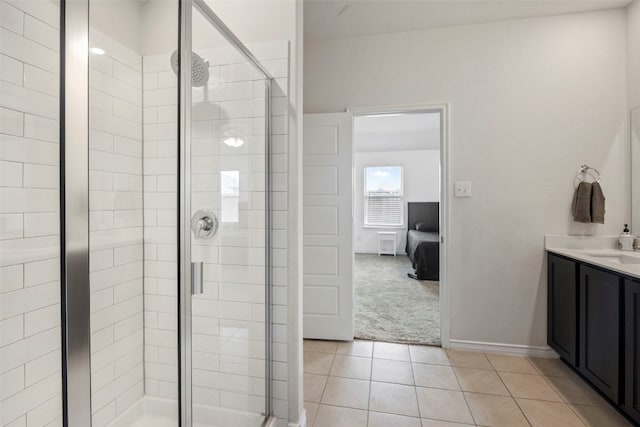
(633, 51)
(421, 180)
(530, 100)
(121, 19)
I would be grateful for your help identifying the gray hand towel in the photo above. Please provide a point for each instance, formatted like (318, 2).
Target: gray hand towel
(597, 203)
(582, 203)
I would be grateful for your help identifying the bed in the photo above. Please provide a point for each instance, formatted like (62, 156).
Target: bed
(423, 240)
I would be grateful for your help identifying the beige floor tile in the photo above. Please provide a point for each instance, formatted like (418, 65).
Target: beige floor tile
(377, 419)
(468, 359)
(481, 381)
(334, 416)
(392, 371)
(317, 363)
(600, 416)
(312, 410)
(346, 392)
(319, 346)
(314, 386)
(435, 376)
(387, 350)
(495, 411)
(573, 389)
(429, 354)
(393, 399)
(505, 363)
(528, 386)
(356, 348)
(445, 405)
(549, 414)
(438, 423)
(351, 367)
(551, 367)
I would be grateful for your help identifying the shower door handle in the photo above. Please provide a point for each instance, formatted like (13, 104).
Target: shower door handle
(197, 286)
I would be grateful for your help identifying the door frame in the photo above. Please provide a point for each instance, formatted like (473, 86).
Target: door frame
(445, 207)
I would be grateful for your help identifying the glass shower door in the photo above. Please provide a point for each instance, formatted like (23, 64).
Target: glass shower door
(227, 207)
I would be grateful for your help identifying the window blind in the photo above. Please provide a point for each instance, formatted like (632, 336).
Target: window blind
(384, 208)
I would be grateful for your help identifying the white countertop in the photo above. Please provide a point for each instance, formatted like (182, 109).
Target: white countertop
(600, 251)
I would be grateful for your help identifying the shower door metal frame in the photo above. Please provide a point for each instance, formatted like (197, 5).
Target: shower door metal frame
(184, 214)
(74, 213)
(184, 210)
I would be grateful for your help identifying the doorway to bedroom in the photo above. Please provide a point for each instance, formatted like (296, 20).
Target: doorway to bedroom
(396, 226)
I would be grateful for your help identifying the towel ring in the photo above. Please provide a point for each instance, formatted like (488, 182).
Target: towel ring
(583, 171)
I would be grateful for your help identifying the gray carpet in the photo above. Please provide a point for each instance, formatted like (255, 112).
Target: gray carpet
(389, 306)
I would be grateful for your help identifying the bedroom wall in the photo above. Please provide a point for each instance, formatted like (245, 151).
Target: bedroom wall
(530, 100)
(421, 179)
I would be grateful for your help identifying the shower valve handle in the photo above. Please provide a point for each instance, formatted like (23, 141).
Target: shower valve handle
(204, 224)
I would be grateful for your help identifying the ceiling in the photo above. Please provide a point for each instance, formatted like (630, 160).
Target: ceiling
(334, 19)
(397, 132)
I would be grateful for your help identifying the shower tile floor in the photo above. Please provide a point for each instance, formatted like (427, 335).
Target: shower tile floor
(378, 384)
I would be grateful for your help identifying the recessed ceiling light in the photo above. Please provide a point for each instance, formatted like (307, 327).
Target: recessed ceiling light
(97, 51)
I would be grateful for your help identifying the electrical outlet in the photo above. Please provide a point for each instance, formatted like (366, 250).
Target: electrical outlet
(462, 189)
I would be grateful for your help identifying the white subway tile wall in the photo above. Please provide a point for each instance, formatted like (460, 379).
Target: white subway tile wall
(133, 226)
(116, 228)
(160, 227)
(229, 317)
(30, 340)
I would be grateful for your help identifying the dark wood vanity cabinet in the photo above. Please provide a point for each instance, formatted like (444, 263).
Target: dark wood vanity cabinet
(632, 349)
(562, 308)
(593, 319)
(599, 337)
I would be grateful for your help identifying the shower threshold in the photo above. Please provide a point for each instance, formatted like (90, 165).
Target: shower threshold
(158, 412)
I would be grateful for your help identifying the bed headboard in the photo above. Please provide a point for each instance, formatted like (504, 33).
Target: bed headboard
(428, 212)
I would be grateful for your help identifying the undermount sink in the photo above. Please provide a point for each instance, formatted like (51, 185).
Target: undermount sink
(615, 258)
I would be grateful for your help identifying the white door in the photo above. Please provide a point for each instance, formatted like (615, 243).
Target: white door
(328, 254)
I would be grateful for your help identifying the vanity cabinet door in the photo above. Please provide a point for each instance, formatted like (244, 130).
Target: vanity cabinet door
(632, 349)
(600, 330)
(562, 313)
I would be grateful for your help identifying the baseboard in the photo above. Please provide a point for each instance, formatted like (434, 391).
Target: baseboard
(398, 253)
(302, 422)
(514, 349)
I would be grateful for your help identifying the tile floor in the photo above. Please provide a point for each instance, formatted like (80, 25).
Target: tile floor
(376, 384)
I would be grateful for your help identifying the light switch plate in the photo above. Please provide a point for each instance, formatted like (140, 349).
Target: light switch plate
(462, 189)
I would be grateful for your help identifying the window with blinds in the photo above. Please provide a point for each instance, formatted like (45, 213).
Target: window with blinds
(383, 196)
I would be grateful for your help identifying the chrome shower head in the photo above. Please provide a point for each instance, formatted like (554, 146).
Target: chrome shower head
(199, 68)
